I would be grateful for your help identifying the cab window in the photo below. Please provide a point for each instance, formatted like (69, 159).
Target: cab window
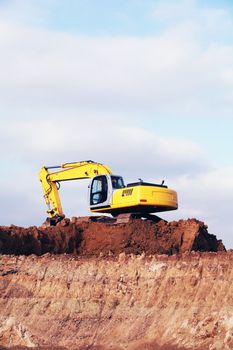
(117, 182)
(99, 190)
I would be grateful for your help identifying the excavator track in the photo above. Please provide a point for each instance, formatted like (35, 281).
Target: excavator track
(128, 217)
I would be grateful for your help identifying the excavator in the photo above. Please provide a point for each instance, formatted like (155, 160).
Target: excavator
(107, 192)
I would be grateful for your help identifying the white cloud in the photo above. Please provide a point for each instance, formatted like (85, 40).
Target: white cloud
(165, 73)
(127, 148)
(205, 20)
(65, 97)
(208, 197)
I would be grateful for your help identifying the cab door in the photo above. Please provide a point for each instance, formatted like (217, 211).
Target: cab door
(100, 192)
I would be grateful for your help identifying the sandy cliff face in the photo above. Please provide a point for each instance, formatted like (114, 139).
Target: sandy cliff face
(123, 302)
(107, 287)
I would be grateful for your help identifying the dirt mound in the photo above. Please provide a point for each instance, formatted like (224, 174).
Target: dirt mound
(86, 238)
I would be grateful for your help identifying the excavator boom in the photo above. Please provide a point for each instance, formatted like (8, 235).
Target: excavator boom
(67, 171)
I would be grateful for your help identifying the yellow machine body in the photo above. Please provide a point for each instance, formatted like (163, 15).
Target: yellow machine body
(141, 198)
(109, 194)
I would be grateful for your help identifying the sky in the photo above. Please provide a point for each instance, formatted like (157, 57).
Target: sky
(143, 86)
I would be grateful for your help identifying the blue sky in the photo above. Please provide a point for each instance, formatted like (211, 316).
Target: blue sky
(103, 17)
(214, 135)
(143, 86)
(133, 17)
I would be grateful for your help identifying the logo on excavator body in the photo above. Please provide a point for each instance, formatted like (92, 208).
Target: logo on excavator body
(127, 192)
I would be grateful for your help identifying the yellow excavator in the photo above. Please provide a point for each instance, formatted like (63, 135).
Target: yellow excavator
(107, 192)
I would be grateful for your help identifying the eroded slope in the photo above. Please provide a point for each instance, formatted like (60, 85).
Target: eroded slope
(128, 302)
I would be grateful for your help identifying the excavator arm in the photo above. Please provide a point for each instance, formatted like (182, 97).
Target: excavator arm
(69, 171)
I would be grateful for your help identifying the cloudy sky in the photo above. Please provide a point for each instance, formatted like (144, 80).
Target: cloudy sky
(144, 86)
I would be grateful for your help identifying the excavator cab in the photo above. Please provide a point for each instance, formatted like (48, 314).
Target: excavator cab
(101, 190)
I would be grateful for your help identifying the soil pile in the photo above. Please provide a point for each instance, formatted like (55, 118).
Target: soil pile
(86, 238)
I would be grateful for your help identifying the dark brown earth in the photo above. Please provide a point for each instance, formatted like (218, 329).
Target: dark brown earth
(86, 238)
